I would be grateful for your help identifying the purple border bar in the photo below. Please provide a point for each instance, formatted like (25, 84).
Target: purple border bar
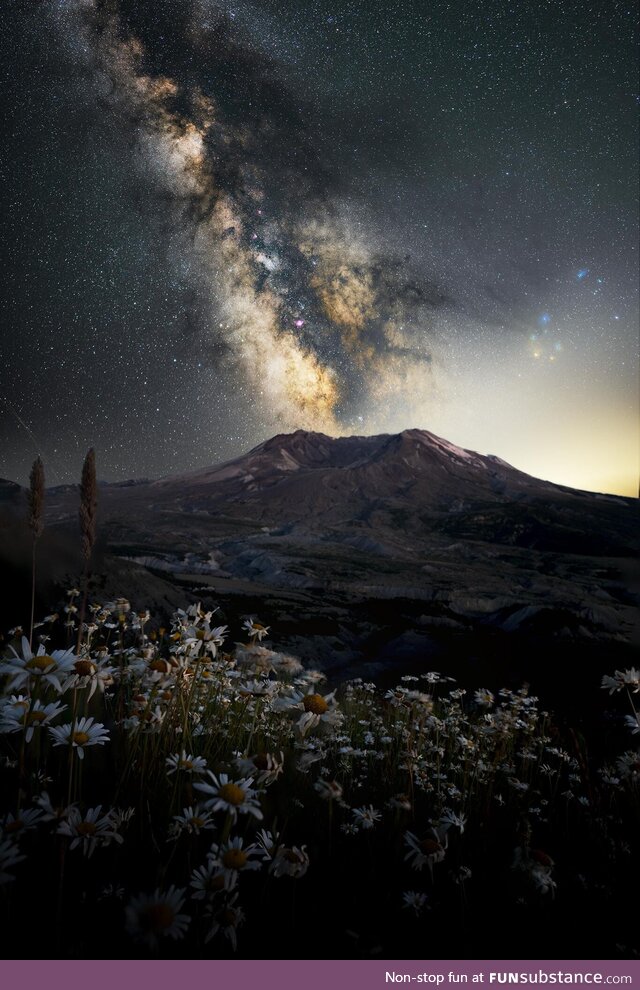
(314, 974)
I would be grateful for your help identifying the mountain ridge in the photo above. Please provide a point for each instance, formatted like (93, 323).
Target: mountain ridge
(386, 548)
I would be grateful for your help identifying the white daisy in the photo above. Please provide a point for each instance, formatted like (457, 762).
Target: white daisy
(621, 679)
(450, 818)
(18, 717)
(366, 817)
(208, 880)
(151, 917)
(231, 858)
(427, 851)
(317, 710)
(49, 813)
(185, 763)
(34, 668)
(255, 629)
(234, 797)
(23, 821)
(267, 842)
(81, 734)
(266, 767)
(96, 674)
(192, 820)
(633, 723)
(89, 830)
(226, 919)
(414, 900)
(290, 862)
(484, 698)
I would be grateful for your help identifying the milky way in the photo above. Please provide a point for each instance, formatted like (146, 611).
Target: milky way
(233, 220)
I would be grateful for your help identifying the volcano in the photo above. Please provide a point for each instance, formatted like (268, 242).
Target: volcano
(371, 547)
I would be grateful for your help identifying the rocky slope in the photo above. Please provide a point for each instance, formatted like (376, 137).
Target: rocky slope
(455, 544)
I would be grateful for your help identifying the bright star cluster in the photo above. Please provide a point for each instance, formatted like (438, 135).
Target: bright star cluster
(230, 220)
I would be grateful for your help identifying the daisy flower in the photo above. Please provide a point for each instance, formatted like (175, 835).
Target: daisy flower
(450, 818)
(40, 667)
(186, 763)
(49, 813)
(628, 765)
(317, 710)
(255, 629)
(262, 688)
(81, 734)
(23, 821)
(18, 717)
(366, 817)
(629, 679)
(152, 917)
(290, 862)
(231, 858)
(484, 698)
(267, 842)
(226, 919)
(633, 723)
(89, 830)
(414, 900)
(234, 797)
(192, 820)
(424, 852)
(266, 766)
(208, 880)
(92, 673)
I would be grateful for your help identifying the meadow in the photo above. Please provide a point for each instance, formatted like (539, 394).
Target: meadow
(188, 791)
(164, 794)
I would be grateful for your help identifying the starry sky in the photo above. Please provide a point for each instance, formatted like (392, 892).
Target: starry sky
(228, 220)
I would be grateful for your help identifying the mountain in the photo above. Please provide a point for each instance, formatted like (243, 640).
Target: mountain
(338, 528)
(379, 489)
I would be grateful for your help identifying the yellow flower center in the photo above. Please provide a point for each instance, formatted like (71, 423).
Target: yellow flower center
(315, 703)
(185, 765)
(84, 668)
(160, 665)
(80, 738)
(86, 828)
(216, 883)
(35, 717)
(198, 822)
(40, 663)
(232, 794)
(234, 859)
(157, 918)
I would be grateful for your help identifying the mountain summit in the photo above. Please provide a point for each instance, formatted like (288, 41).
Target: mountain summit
(393, 490)
(387, 541)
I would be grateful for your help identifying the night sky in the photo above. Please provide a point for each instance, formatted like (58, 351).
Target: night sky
(228, 220)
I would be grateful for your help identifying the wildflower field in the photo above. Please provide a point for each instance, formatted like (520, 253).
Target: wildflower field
(165, 795)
